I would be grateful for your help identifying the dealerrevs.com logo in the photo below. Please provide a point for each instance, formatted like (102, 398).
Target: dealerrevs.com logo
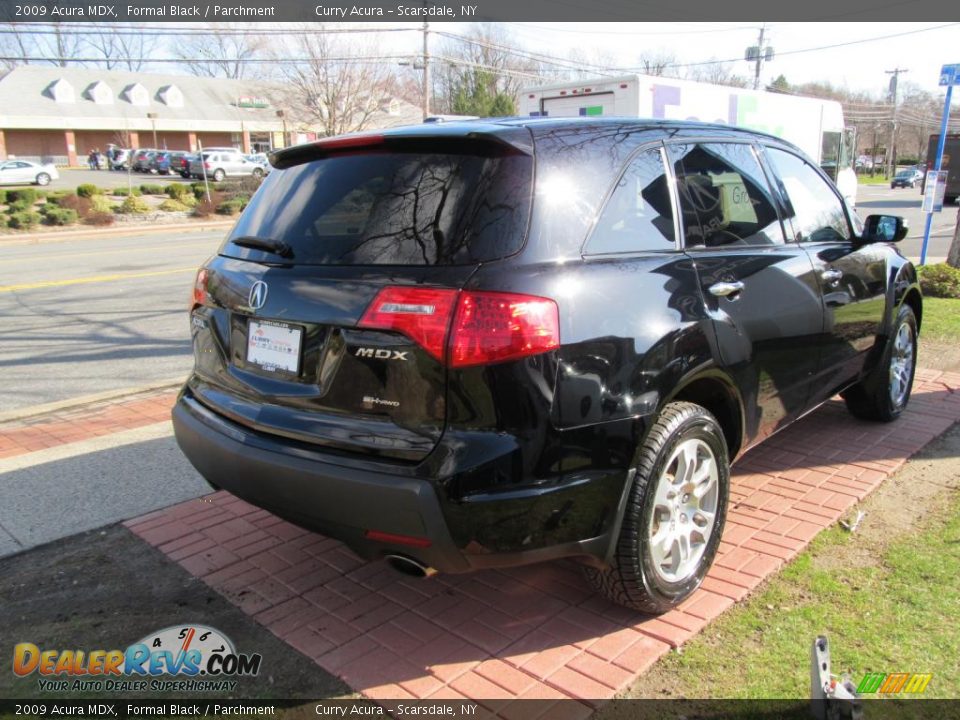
(181, 658)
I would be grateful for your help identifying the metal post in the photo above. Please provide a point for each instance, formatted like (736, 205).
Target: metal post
(936, 168)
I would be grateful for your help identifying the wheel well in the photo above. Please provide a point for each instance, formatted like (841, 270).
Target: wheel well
(915, 302)
(717, 397)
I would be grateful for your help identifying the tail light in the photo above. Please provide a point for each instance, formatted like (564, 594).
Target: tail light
(465, 328)
(200, 295)
(206, 166)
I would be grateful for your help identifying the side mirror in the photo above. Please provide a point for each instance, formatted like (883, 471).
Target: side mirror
(884, 228)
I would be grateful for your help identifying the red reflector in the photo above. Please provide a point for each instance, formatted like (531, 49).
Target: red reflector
(493, 327)
(422, 314)
(563, 92)
(394, 539)
(623, 86)
(200, 288)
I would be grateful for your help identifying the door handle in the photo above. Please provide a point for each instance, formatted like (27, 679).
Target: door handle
(725, 289)
(831, 276)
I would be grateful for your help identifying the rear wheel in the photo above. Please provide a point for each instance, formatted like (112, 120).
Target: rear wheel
(43, 179)
(885, 392)
(674, 514)
(257, 173)
(219, 175)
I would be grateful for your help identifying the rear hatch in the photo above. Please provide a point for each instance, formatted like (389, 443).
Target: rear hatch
(325, 314)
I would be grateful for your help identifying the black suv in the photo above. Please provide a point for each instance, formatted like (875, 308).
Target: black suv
(491, 343)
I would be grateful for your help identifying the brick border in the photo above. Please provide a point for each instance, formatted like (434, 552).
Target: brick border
(538, 631)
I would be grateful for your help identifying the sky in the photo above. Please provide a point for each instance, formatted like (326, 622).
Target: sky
(859, 66)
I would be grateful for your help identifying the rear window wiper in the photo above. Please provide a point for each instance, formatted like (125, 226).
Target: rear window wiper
(277, 247)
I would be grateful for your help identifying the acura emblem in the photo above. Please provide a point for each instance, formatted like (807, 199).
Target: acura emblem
(258, 295)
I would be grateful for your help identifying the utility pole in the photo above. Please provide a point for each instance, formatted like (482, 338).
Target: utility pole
(756, 73)
(892, 154)
(758, 54)
(426, 70)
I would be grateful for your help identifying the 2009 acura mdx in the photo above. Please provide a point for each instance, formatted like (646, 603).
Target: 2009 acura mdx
(492, 343)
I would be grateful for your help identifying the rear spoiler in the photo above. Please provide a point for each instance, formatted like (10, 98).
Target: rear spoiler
(515, 141)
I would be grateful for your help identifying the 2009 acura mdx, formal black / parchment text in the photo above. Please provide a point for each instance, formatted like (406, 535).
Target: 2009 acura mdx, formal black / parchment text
(491, 343)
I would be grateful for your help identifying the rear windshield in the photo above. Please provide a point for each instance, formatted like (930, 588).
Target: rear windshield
(392, 208)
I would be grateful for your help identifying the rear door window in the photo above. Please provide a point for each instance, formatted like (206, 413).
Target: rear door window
(638, 216)
(393, 208)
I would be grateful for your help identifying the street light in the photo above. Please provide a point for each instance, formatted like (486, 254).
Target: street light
(152, 117)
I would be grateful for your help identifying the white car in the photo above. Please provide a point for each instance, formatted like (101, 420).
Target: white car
(24, 172)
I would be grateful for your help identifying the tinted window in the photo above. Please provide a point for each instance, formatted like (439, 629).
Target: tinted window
(638, 215)
(817, 212)
(724, 196)
(394, 208)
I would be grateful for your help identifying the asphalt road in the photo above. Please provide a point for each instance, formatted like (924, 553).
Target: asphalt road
(880, 200)
(86, 316)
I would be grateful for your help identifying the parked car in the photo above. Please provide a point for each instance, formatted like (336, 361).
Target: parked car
(182, 164)
(120, 159)
(24, 172)
(142, 159)
(486, 344)
(166, 162)
(910, 177)
(217, 165)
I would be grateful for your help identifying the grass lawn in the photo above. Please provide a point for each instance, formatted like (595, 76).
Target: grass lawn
(941, 320)
(877, 179)
(885, 605)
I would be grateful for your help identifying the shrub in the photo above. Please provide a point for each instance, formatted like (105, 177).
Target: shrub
(59, 216)
(3, 197)
(204, 208)
(199, 190)
(24, 195)
(55, 196)
(133, 206)
(173, 206)
(19, 206)
(100, 204)
(152, 189)
(23, 220)
(177, 191)
(940, 280)
(229, 207)
(123, 192)
(73, 202)
(100, 218)
(87, 190)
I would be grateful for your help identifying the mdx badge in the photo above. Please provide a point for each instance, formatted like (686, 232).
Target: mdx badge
(258, 295)
(381, 354)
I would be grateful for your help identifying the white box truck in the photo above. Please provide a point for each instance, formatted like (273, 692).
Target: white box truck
(815, 126)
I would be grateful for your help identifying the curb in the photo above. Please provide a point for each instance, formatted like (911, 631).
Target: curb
(48, 237)
(46, 408)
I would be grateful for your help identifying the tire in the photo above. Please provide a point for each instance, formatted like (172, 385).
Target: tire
(257, 174)
(949, 199)
(883, 394)
(218, 175)
(640, 575)
(43, 179)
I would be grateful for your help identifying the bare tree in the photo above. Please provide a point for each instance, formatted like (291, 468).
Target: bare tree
(121, 47)
(56, 45)
(335, 87)
(226, 51)
(717, 73)
(659, 63)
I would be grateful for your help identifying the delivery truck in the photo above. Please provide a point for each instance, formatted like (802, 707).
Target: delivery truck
(815, 126)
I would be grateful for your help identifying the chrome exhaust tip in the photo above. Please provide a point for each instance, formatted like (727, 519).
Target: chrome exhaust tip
(409, 566)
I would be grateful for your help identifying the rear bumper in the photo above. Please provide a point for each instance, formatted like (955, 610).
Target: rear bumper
(305, 488)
